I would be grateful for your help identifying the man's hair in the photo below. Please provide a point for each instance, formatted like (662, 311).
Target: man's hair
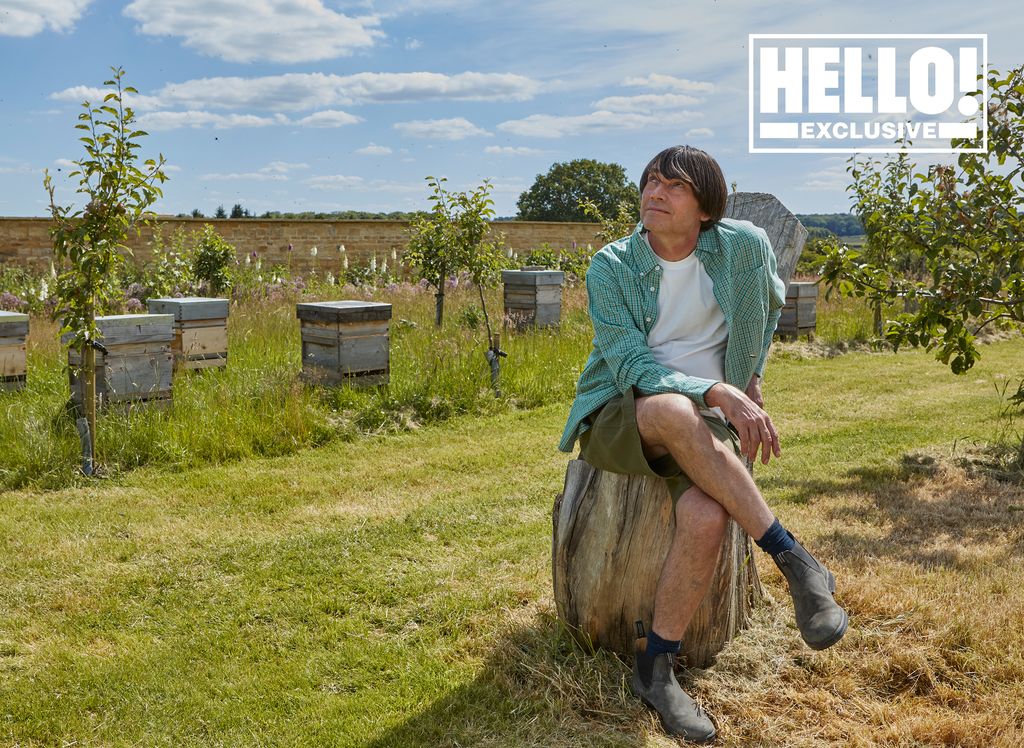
(698, 169)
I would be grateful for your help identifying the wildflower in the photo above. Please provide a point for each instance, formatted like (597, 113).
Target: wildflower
(53, 270)
(289, 246)
(312, 252)
(590, 248)
(373, 264)
(259, 264)
(394, 254)
(344, 262)
(248, 260)
(574, 246)
(384, 268)
(341, 248)
(509, 253)
(44, 290)
(330, 277)
(134, 305)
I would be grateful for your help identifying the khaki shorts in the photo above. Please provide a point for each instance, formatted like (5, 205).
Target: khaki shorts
(613, 443)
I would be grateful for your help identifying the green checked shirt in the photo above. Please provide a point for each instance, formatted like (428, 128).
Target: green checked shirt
(622, 287)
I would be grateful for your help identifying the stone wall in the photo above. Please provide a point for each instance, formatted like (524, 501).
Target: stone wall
(26, 241)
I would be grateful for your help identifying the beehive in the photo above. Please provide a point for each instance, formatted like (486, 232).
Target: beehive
(138, 364)
(13, 334)
(200, 330)
(799, 315)
(346, 342)
(533, 297)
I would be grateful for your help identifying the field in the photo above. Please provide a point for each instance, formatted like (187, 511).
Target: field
(393, 588)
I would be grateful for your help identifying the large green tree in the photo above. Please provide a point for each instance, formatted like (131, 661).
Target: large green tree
(559, 194)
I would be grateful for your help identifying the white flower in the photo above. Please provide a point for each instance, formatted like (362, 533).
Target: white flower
(344, 262)
(590, 248)
(330, 278)
(312, 252)
(259, 264)
(509, 253)
(248, 260)
(384, 268)
(341, 247)
(53, 270)
(394, 254)
(43, 290)
(373, 264)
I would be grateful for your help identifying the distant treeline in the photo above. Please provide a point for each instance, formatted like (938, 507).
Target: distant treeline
(840, 224)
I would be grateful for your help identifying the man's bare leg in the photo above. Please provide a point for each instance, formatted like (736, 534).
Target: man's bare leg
(690, 563)
(671, 423)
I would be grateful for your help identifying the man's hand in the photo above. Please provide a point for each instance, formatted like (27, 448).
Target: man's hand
(755, 427)
(753, 391)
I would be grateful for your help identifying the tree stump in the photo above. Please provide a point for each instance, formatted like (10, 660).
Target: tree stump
(611, 535)
(612, 532)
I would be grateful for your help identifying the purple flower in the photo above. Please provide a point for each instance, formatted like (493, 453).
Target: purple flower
(451, 283)
(134, 305)
(289, 247)
(136, 290)
(11, 303)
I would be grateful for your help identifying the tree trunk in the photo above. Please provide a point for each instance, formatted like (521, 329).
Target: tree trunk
(439, 305)
(611, 535)
(89, 404)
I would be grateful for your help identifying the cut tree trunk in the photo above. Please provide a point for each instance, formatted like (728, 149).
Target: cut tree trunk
(611, 535)
(612, 532)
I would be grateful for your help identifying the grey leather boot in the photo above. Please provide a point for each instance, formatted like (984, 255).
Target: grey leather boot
(821, 621)
(656, 685)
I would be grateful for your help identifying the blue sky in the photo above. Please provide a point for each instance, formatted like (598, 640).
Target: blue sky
(323, 105)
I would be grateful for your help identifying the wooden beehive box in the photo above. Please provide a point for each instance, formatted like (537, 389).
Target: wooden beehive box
(533, 297)
(138, 364)
(13, 333)
(200, 330)
(799, 315)
(346, 342)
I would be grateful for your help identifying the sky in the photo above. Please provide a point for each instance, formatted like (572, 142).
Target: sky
(323, 105)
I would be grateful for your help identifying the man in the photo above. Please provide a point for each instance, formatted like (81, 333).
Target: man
(683, 313)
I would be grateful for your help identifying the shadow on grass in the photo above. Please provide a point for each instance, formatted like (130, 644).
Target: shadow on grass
(535, 689)
(928, 514)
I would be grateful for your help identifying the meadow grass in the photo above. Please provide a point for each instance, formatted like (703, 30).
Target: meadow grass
(259, 406)
(395, 590)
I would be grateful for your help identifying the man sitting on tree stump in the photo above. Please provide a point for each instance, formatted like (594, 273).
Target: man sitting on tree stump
(683, 311)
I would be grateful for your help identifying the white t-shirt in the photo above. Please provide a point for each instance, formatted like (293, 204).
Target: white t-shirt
(690, 334)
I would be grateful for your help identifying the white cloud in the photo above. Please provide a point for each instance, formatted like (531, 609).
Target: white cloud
(507, 150)
(281, 167)
(195, 119)
(552, 126)
(456, 128)
(252, 176)
(95, 95)
(287, 31)
(411, 44)
(373, 150)
(30, 18)
(171, 168)
(645, 102)
(65, 163)
(345, 181)
(700, 132)
(660, 82)
(307, 91)
(329, 118)
(333, 182)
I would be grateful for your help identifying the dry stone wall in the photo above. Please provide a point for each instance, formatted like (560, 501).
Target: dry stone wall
(26, 241)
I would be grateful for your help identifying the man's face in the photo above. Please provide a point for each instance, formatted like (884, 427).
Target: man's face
(670, 206)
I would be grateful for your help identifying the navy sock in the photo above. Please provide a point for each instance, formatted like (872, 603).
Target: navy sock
(656, 645)
(776, 539)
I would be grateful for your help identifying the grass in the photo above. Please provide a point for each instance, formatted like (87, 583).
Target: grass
(258, 406)
(395, 590)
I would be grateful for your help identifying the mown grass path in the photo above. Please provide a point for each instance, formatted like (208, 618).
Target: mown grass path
(395, 590)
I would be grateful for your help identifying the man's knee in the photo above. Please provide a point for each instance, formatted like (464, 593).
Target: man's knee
(700, 518)
(660, 418)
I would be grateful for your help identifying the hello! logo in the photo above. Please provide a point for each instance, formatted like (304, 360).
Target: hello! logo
(880, 93)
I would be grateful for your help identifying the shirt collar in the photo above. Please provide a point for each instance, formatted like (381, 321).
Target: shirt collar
(644, 259)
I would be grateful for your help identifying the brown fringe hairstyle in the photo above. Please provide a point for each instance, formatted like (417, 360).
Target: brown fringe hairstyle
(698, 169)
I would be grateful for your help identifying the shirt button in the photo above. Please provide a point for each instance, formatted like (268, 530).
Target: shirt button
(652, 288)
(648, 319)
